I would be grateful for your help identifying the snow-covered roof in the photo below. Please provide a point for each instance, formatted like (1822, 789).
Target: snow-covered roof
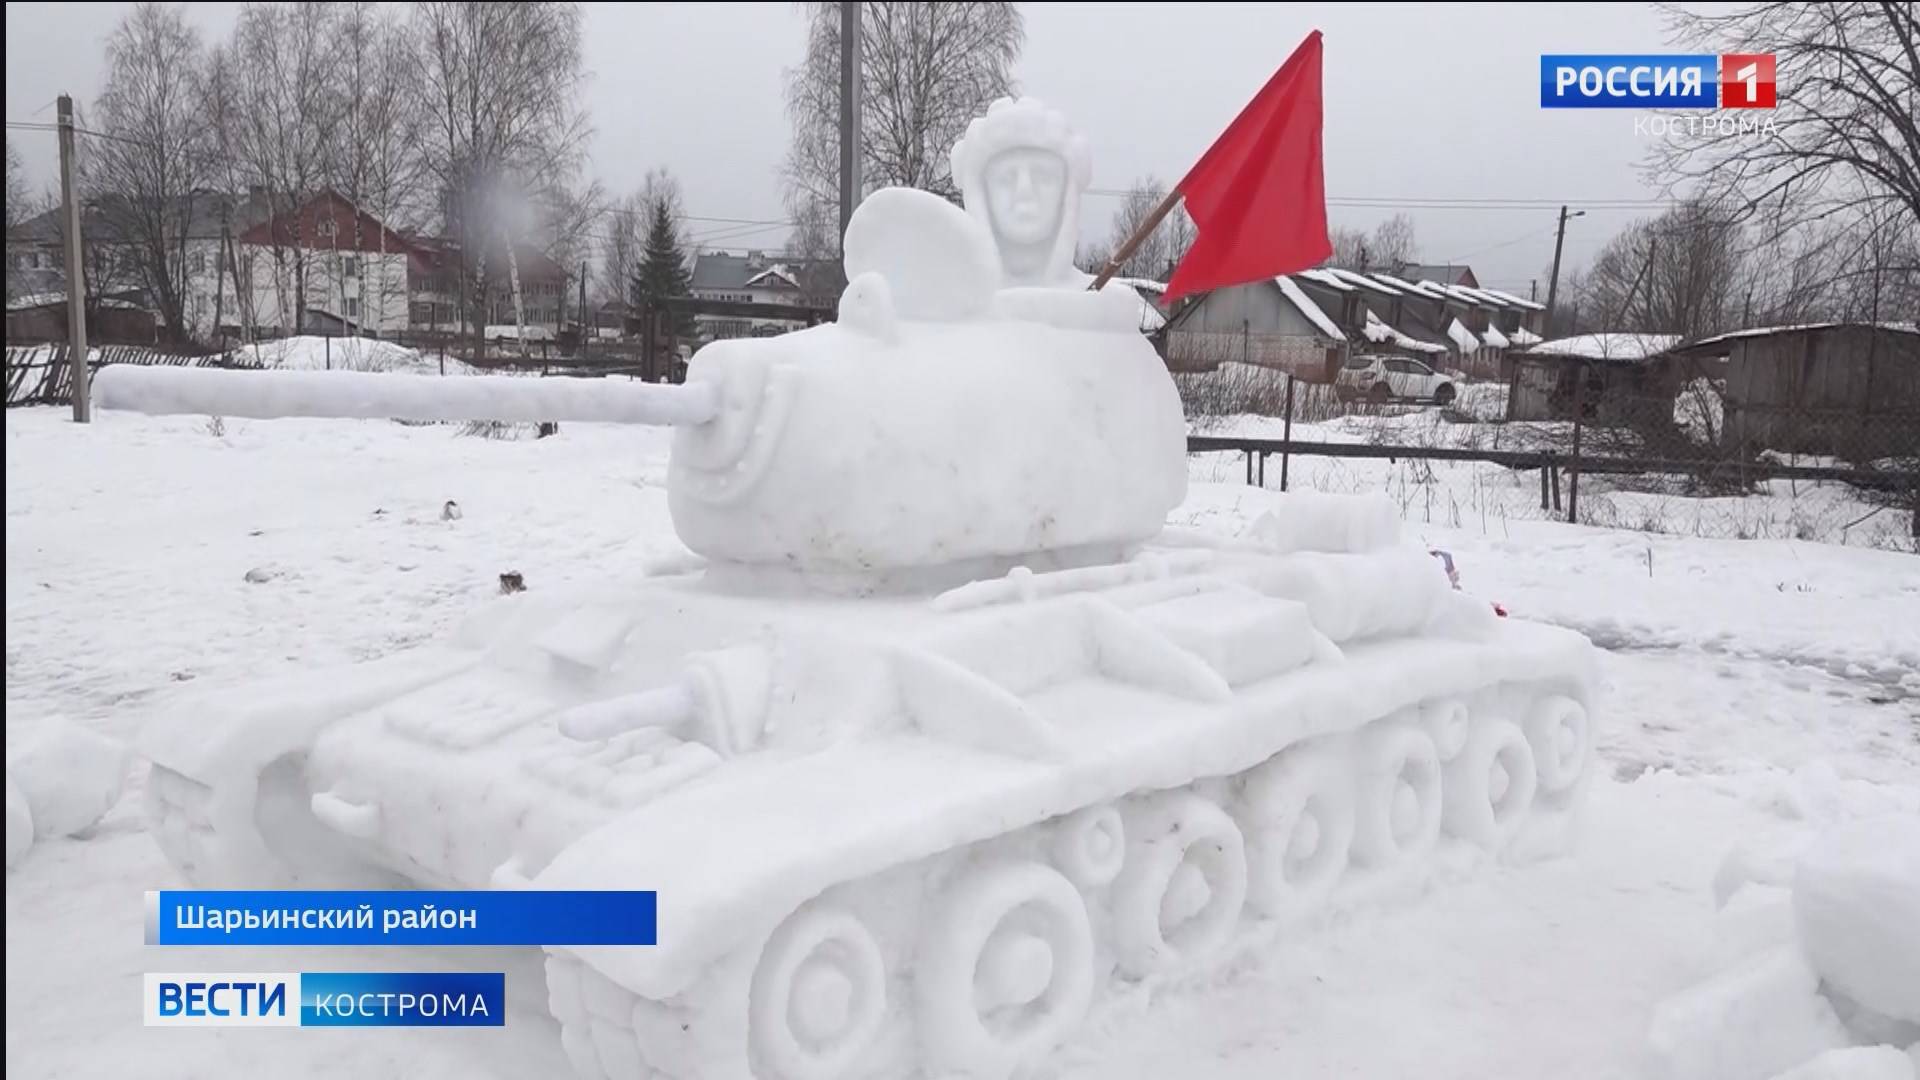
(1365, 281)
(1481, 295)
(1494, 338)
(1515, 300)
(1326, 277)
(1426, 289)
(1378, 331)
(1145, 284)
(1308, 308)
(1621, 347)
(1466, 294)
(1524, 337)
(1150, 317)
(1764, 331)
(777, 270)
(1462, 336)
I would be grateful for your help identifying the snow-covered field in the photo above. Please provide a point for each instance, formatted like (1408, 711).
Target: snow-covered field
(1745, 680)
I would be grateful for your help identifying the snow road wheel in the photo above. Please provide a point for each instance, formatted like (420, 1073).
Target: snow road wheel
(1562, 739)
(818, 997)
(1399, 797)
(1299, 816)
(1489, 788)
(1090, 845)
(1179, 896)
(1448, 723)
(1005, 971)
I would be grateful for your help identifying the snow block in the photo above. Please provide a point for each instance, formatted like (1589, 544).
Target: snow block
(938, 264)
(70, 778)
(1750, 1023)
(1314, 521)
(1754, 920)
(1856, 900)
(1854, 1063)
(19, 823)
(1768, 859)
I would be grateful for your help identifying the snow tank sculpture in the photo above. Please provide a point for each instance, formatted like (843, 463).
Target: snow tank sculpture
(948, 736)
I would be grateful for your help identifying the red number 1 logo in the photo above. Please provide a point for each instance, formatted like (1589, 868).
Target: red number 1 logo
(1746, 81)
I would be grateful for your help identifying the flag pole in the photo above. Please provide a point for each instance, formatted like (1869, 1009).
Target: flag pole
(1140, 233)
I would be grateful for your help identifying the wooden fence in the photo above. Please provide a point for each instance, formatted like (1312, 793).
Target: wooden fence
(40, 375)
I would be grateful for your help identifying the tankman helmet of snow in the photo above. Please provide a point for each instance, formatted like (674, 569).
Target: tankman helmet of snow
(1021, 171)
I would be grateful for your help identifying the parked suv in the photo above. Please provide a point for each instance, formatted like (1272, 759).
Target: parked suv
(1381, 377)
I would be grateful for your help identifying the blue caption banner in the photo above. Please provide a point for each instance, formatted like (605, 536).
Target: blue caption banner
(402, 999)
(506, 917)
(1629, 81)
(326, 999)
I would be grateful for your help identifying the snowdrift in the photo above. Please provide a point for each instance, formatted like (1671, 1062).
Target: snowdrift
(1815, 959)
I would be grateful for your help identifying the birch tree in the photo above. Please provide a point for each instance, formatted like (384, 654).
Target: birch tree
(284, 63)
(373, 158)
(151, 163)
(926, 70)
(502, 124)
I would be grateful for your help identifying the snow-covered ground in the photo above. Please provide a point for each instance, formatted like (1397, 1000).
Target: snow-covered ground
(147, 553)
(1487, 499)
(314, 353)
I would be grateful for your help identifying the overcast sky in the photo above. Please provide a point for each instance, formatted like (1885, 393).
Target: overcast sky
(1423, 101)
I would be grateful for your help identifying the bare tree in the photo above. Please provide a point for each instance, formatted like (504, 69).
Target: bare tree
(220, 104)
(620, 248)
(1389, 247)
(1165, 246)
(1092, 257)
(18, 209)
(502, 124)
(926, 70)
(1675, 274)
(1392, 244)
(1843, 143)
(152, 162)
(1847, 133)
(1349, 247)
(815, 229)
(284, 66)
(373, 158)
(563, 230)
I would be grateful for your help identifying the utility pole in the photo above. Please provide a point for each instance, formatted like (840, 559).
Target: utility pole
(849, 114)
(76, 284)
(1553, 279)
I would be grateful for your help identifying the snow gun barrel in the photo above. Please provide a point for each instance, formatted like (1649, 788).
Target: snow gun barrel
(273, 395)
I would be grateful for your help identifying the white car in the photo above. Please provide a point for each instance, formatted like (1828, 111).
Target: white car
(1382, 377)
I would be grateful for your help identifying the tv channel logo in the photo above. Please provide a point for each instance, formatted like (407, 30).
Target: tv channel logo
(326, 999)
(1634, 81)
(223, 999)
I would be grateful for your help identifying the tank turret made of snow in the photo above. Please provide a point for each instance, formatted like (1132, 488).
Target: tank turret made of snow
(946, 737)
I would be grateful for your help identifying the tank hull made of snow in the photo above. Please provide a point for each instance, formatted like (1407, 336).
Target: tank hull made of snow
(894, 836)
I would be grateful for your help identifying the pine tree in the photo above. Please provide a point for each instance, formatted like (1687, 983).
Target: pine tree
(663, 266)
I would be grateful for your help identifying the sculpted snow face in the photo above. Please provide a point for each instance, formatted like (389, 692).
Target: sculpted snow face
(975, 405)
(1021, 172)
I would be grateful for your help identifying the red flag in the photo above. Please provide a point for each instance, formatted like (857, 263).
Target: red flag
(1258, 196)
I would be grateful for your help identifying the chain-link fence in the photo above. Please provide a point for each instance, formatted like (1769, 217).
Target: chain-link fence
(1677, 453)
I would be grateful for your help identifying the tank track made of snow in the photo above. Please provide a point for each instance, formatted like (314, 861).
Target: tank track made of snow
(894, 836)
